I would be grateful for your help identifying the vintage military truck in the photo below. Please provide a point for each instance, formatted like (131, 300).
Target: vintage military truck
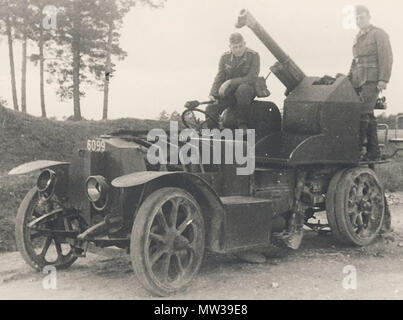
(166, 216)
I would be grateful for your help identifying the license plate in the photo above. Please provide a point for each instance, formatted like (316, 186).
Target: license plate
(94, 145)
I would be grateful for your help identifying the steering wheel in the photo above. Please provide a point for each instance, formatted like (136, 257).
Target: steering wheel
(190, 121)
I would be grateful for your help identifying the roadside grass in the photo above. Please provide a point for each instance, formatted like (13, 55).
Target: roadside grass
(26, 138)
(12, 191)
(391, 175)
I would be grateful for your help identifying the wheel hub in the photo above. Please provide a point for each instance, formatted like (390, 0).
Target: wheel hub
(180, 243)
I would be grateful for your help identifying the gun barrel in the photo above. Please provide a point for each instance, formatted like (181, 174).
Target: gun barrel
(286, 69)
(246, 19)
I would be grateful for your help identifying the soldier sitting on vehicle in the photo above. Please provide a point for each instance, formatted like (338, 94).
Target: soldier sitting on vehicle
(234, 89)
(234, 85)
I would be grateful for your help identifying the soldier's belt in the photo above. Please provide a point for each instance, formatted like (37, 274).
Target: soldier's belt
(367, 65)
(365, 61)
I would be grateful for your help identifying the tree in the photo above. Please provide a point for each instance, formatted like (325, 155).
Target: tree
(175, 116)
(163, 116)
(40, 36)
(114, 14)
(7, 16)
(69, 44)
(114, 11)
(108, 70)
(23, 15)
(43, 37)
(80, 51)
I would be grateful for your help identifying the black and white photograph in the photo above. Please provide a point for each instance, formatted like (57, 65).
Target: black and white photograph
(215, 152)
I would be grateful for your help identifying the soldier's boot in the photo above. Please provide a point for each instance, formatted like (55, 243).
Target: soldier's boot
(230, 118)
(244, 96)
(293, 235)
(362, 137)
(373, 151)
(213, 110)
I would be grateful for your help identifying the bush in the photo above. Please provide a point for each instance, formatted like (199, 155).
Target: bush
(391, 175)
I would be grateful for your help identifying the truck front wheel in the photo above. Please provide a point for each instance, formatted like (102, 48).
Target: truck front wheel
(167, 241)
(39, 241)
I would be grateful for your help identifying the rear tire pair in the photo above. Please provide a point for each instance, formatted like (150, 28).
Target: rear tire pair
(355, 206)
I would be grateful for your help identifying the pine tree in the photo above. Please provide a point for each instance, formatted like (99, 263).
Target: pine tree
(22, 25)
(81, 51)
(163, 116)
(43, 38)
(112, 14)
(175, 116)
(8, 19)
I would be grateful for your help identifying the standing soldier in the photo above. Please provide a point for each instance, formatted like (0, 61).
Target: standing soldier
(234, 84)
(370, 72)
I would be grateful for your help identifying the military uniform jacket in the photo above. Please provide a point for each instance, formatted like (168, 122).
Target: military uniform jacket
(373, 57)
(246, 69)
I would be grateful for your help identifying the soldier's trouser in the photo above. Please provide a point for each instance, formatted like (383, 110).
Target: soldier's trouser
(369, 130)
(368, 124)
(237, 105)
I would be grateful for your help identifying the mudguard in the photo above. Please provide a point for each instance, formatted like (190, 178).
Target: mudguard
(142, 177)
(197, 186)
(34, 166)
(138, 178)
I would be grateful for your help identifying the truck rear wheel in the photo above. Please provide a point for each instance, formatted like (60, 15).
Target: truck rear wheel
(167, 241)
(356, 206)
(331, 203)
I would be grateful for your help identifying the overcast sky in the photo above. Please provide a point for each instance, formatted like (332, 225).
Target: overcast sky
(173, 52)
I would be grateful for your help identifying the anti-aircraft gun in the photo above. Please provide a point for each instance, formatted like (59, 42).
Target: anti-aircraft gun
(285, 69)
(321, 115)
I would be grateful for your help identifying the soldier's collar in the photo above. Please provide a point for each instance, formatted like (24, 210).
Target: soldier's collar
(243, 57)
(365, 31)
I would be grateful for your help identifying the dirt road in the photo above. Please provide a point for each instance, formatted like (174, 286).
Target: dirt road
(313, 272)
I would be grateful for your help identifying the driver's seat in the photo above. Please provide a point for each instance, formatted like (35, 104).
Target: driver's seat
(263, 116)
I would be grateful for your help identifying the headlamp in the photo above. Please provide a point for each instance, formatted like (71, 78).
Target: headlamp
(46, 183)
(96, 190)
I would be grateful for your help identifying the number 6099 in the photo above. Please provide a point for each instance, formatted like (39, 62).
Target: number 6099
(96, 145)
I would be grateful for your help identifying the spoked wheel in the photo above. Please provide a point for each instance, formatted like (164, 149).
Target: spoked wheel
(167, 241)
(40, 232)
(331, 203)
(358, 207)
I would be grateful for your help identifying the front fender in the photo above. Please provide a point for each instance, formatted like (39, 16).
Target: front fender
(211, 204)
(35, 165)
(138, 178)
(143, 177)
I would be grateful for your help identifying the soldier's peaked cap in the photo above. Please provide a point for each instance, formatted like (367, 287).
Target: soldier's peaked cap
(360, 9)
(236, 38)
